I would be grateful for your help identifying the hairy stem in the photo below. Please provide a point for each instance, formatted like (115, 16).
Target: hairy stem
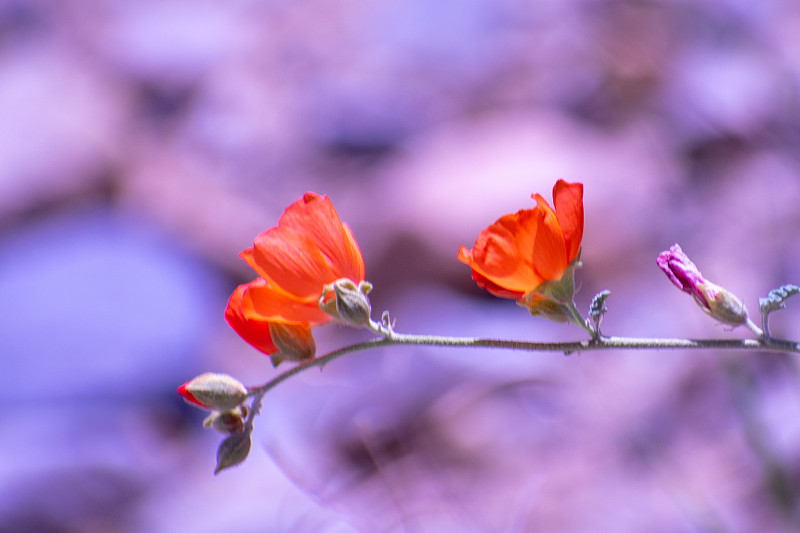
(579, 320)
(391, 338)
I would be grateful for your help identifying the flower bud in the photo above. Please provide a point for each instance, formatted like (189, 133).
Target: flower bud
(232, 451)
(295, 342)
(723, 305)
(718, 302)
(349, 303)
(214, 391)
(228, 422)
(352, 304)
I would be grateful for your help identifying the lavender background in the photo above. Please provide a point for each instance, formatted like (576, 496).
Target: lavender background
(144, 144)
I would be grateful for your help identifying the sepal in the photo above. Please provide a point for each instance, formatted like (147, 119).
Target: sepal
(553, 299)
(722, 304)
(294, 342)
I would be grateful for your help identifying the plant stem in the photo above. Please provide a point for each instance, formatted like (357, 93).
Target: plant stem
(579, 320)
(391, 338)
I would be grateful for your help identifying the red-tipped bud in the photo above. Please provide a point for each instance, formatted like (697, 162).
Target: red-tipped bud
(214, 391)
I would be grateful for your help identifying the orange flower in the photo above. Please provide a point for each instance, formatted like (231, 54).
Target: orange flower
(308, 249)
(520, 252)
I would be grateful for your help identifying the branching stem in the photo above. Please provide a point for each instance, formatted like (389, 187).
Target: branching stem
(391, 338)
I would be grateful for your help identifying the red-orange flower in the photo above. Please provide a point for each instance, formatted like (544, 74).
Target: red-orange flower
(308, 249)
(521, 251)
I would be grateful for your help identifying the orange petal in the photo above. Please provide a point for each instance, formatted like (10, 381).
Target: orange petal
(465, 256)
(292, 262)
(315, 216)
(493, 288)
(568, 201)
(272, 304)
(309, 248)
(249, 257)
(250, 327)
(354, 261)
(500, 259)
(549, 256)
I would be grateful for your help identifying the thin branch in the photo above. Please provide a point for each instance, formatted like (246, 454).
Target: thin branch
(603, 343)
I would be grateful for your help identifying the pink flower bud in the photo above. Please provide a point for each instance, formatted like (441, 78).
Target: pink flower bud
(717, 301)
(214, 391)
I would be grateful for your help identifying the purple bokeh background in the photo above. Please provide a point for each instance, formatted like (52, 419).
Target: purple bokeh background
(144, 144)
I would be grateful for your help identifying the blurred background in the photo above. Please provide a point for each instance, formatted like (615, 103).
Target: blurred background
(144, 144)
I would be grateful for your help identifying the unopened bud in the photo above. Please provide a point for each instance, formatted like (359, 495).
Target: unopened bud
(718, 302)
(723, 305)
(214, 391)
(228, 422)
(295, 342)
(232, 451)
(347, 302)
(352, 304)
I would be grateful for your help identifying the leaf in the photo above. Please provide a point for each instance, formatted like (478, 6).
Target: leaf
(776, 298)
(598, 307)
(232, 451)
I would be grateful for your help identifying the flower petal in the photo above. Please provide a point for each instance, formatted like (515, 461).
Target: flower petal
(249, 256)
(310, 247)
(683, 273)
(246, 323)
(568, 202)
(269, 303)
(293, 262)
(315, 216)
(487, 284)
(500, 259)
(184, 391)
(549, 256)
